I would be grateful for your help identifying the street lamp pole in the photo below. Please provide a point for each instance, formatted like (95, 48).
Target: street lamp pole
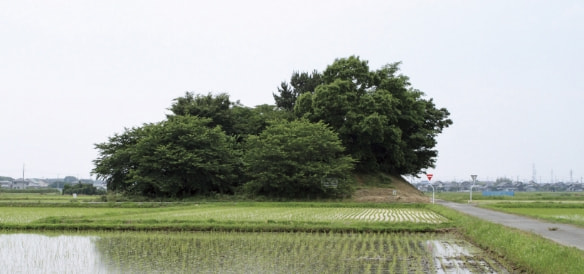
(474, 179)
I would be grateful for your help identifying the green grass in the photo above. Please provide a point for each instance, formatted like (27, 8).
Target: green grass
(463, 197)
(26, 215)
(527, 252)
(24, 198)
(225, 217)
(560, 212)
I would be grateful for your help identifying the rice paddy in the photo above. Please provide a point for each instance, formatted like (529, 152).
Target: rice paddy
(272, 217)
(254, 237)
(232, 252)
(302, 214)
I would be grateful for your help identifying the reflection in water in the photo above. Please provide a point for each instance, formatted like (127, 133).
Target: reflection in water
(223, 252)
(457, 256)
(32, 253)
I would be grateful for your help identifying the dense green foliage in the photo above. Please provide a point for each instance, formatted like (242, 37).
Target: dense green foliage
(384, 123)
(291, 159)
(299, 83)
(6, 178)
(322, 126)
(179, 157)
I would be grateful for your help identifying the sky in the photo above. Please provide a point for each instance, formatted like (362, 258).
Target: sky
(73, 73)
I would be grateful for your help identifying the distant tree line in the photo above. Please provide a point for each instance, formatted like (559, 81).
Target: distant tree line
(87, 189)
(5, 178)
(323, 127)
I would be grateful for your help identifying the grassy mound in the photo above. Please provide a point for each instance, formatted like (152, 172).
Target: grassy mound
(386, 188)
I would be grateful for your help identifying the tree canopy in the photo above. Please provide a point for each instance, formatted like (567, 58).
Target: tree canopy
(179, 157)
(300, 82)
(322, 126)
(291, 159)
(384, 123)
(87, 189)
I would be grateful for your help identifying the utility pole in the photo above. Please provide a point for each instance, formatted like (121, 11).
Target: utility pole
(533, 174)
(474, 179)
(429, 176)
(552, 176)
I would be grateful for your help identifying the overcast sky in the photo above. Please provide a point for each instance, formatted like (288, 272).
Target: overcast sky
(73, 73)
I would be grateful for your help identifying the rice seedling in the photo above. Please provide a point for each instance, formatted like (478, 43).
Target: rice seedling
(226, 217)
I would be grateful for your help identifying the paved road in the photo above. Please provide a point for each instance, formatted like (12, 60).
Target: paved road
(565, 234)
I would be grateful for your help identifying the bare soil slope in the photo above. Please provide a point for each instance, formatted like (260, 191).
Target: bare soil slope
(404, 192)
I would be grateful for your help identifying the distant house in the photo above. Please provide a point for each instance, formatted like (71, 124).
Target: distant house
(37, 183)
(6, 184)
(20, 184)
(575, 187)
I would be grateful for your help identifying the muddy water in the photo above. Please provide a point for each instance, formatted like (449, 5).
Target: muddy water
(457, 256)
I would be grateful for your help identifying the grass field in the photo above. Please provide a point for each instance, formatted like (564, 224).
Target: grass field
(224, 216)
(477, 197)
(561, 207)
(20, 198)
(559, 211)
(523, 252)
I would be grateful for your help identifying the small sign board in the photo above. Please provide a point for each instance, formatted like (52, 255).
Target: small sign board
(330, 182)
(429, 175)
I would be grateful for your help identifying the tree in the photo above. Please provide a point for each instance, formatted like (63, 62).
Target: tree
(383, 122)
(116, 159)
(70, 179)
(234, 118)
(291, 159)
(217, 108)
(300, 83)
(252, 121)
(87, 189)
(179, 157)
(58, 184)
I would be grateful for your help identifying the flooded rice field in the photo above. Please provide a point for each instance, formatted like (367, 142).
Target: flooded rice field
(231, 252)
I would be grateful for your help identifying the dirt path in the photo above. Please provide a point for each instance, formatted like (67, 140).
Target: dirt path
(561, 233)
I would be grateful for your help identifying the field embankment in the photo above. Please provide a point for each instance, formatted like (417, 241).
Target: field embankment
(386, 188)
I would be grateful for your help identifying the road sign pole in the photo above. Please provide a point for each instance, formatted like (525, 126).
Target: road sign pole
(429, 176)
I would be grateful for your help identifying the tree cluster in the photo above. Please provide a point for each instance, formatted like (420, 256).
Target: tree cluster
(323, 126)
(87, 189)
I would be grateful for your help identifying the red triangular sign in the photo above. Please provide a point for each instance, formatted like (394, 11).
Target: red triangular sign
(429, 175)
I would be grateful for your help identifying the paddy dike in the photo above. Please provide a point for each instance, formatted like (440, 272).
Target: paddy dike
(564, 234)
